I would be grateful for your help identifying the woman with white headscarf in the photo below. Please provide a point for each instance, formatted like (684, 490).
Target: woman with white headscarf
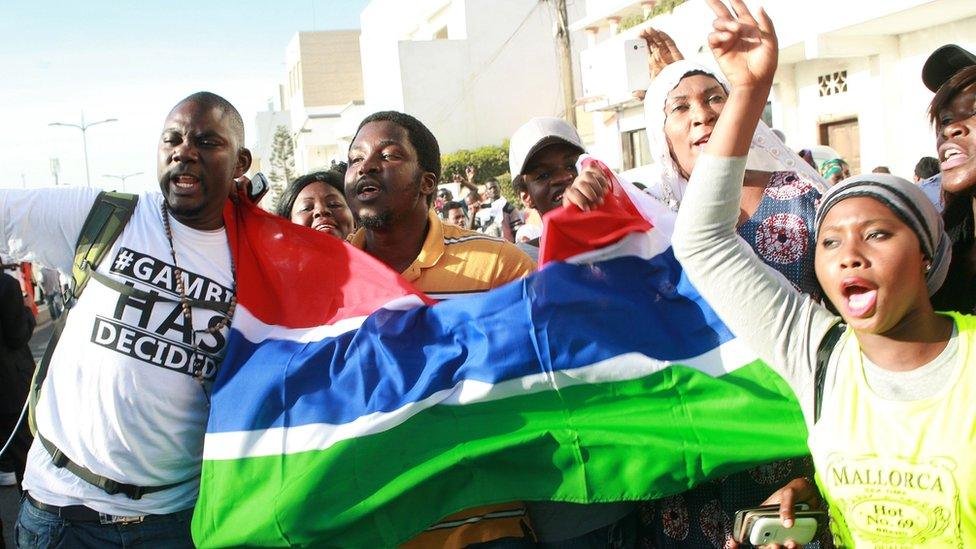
(777, 219)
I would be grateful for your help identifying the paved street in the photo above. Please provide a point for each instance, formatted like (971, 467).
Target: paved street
(9, 499)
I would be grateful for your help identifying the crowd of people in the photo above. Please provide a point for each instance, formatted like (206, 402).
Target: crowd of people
(858, 290)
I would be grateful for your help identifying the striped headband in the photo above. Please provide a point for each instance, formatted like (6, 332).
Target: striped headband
(910, 204)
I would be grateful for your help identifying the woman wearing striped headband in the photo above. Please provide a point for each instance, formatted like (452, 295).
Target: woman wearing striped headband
(887, 389)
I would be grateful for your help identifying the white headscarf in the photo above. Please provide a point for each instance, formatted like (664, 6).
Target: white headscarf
(767, 152)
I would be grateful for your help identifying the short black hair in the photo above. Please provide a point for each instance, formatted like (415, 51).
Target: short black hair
(927, 167)
(448, 206)
(948, 91)
(333, 177)
(215, 101)
(420, 137)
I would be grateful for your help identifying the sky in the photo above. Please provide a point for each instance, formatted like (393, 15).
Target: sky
(133, 61)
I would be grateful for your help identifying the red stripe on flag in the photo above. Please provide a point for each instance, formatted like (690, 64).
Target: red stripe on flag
(296, 277)
(569, 231)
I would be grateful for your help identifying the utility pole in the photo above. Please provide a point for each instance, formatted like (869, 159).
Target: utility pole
(84, 138)
(55, 170)
(565, 60)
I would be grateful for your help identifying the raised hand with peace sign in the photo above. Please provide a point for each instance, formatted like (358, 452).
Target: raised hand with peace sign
(747, 52)
(744, 46)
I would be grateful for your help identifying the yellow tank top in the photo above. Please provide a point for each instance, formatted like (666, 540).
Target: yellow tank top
(900, 474)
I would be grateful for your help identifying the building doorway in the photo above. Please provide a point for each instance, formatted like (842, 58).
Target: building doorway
(844, 137)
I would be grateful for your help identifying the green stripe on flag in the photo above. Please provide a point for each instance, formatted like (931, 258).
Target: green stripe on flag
(629, 440)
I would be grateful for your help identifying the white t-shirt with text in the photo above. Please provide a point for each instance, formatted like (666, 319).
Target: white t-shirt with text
(120, 398)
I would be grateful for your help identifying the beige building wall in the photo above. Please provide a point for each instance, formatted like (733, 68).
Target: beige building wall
(324, 77)
(329, 67)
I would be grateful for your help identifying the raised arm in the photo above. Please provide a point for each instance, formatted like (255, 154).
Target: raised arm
(747, 52)
(780, 324)
(42, 225)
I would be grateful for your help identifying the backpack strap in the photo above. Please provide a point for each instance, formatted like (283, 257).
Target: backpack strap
(824, 351)
(105, 222)
(110, 486)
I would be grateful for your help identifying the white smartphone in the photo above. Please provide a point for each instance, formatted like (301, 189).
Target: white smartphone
(635, 64)
(771, 530)
(745, 517)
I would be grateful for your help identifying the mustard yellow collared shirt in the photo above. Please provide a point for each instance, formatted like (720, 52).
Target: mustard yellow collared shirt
(454, 262)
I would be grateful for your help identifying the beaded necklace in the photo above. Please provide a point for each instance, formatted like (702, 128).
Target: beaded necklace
(185, 301)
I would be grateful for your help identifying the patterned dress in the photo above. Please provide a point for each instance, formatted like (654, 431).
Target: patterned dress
(782, 234)
(782, 229)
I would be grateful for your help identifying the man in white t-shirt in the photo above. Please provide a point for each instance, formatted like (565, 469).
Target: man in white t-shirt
(126, 396)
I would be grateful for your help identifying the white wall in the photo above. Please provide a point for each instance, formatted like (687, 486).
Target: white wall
(478, 91)
(382, 25)
(885, 93)
(471, 92)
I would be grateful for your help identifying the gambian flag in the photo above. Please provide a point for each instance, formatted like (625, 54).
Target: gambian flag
(348, 412)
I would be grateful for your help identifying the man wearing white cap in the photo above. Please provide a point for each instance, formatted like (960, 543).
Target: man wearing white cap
(542, 160)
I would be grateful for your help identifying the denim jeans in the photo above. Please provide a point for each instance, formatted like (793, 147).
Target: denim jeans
(42, 529)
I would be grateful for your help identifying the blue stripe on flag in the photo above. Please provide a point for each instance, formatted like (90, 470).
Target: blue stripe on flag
(399, 357)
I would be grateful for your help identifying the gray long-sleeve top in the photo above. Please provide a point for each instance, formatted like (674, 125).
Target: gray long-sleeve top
(782, 325)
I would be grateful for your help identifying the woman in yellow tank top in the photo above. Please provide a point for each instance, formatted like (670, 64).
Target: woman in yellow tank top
(893, 445)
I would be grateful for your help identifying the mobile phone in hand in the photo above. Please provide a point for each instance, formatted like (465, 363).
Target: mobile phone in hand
(766, 529)
(258, 187)
(746, 518)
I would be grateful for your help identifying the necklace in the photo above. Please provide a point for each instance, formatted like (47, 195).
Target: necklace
(185, 301)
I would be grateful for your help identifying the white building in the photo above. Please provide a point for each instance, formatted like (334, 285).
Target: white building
(324, 83)
(848, 76)
(471, 70)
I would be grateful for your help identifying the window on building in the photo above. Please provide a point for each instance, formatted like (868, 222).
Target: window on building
(636, 149)
(833, 83)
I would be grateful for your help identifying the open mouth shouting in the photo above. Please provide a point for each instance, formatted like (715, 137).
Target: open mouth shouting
(557, 196)
(951, 156)
(860, 297)
(184, 183)
(367, 190)
(701, 142)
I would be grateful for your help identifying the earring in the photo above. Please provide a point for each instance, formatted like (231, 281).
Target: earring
(928, 267)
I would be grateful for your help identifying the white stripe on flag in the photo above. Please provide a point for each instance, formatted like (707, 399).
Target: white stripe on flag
(724, 359)
(256, 331)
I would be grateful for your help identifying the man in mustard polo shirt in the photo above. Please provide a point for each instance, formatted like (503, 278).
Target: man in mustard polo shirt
(394, 166)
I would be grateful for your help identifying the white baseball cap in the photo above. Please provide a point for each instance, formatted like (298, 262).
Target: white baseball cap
(536, 134)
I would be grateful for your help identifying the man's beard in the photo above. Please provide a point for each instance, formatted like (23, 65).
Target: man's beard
(376, 221)
(388, 218)
(184, 212)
